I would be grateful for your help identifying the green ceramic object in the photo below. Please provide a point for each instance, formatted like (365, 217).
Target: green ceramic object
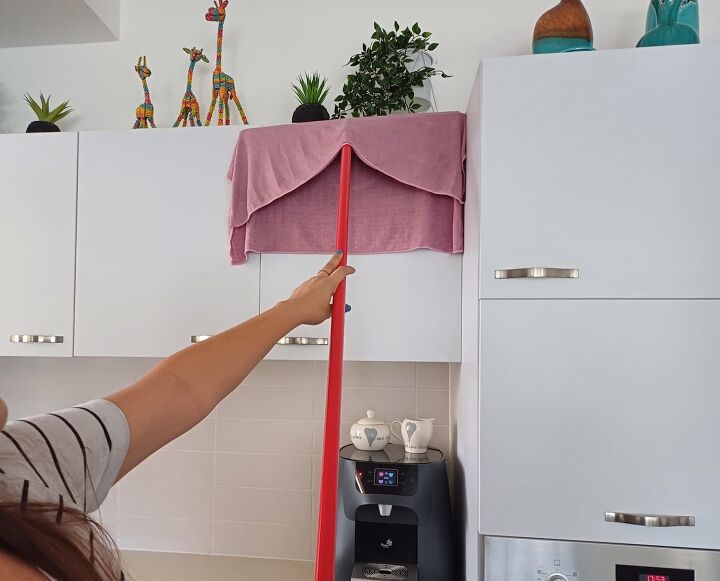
(559, 44)
(671, 28)
(689, 14)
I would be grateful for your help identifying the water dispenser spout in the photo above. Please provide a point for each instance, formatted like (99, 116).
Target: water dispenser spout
(385, 509)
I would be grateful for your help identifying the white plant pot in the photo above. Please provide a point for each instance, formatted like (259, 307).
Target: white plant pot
(423, 95)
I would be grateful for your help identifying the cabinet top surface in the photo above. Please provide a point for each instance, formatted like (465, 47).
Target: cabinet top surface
(630, 55)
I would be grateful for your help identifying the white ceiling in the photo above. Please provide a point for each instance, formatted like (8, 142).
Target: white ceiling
(43, 22)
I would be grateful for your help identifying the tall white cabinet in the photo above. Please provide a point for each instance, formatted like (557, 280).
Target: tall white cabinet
(153, 267)
(37, 243)
(593, 195)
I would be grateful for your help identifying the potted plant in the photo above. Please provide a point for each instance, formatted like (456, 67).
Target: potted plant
(46, 118)
(311, 92)
(387, 72)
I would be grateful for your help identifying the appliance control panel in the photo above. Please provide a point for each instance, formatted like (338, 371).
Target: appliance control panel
(397, 480)
(512, 559)
(555, 570)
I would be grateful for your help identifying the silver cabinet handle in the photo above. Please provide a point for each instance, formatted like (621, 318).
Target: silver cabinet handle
(538, 272)
(304, 341)
(36, 338)
(283, 341)
(650, 520)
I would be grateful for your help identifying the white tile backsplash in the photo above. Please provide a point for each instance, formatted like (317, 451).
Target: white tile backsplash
(268, 403)
(262, 540)
(245, 480)
(165, 500)
(434, 403)
(164, 534)
(432, 375)
(16, 368)
(371, 374)
(264, 436)
(18, 395)
(263, 471)
(171, 466)
(263, 505)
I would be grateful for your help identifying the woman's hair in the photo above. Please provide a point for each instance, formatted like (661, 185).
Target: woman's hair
(76, 549)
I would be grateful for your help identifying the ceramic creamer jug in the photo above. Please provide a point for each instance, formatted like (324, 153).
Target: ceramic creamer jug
(370, 433)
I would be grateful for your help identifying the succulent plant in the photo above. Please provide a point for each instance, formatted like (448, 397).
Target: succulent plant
(312, 90)
(43, 111)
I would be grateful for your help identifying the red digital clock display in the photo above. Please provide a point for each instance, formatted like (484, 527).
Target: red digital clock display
(654, 577)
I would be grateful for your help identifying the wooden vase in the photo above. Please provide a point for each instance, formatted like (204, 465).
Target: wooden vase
(564, 28)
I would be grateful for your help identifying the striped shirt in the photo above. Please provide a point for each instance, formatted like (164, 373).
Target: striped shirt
(71, 457)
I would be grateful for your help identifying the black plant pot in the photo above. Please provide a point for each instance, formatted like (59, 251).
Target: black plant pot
(305, 113)
(42, 127)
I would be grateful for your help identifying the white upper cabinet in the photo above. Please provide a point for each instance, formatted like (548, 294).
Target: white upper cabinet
(37, 243)
(604, 162)
(405, 306)
(153, 266)
(594, 407)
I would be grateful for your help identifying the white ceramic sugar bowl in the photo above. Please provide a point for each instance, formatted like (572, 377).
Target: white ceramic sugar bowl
(370, 433)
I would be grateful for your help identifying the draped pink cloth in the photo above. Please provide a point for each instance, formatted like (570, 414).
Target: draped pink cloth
(407, 185)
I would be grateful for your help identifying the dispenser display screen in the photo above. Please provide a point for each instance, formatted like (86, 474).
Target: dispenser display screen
(386, 477)
(645, 577)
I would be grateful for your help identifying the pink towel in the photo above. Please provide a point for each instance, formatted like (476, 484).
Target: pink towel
(407, 185)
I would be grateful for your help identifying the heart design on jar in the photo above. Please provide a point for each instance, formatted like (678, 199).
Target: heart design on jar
(410, 429)
(371, 435)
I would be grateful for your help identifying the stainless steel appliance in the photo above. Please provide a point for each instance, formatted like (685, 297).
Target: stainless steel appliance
(393, 518)
(510, 559)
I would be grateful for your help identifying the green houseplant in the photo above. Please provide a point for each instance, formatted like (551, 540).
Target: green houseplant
(310, 91)
(46, 118)
(382, 81)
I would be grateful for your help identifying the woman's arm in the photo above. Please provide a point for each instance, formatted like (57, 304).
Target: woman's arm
(184, 388)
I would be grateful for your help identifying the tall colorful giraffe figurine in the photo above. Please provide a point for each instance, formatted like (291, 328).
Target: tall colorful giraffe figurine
(189, 108)
(223, 84)
(144, 112)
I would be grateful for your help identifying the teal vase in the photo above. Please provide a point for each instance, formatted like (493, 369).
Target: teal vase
(672, 22)
(564, 28)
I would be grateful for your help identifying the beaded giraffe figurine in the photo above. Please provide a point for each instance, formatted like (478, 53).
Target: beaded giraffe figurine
(189, 108)
(144, 112)
(223, 84)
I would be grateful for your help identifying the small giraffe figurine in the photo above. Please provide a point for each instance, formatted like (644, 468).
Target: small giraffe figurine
(144, 112)
(189, 108)
(223, 84)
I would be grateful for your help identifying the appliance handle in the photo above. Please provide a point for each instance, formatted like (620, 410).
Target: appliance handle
(36, 338)
(303, 341)
(283, 341)
(650, 520)
(538, 272)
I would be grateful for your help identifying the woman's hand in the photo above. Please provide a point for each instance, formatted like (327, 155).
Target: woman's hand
(310, 302)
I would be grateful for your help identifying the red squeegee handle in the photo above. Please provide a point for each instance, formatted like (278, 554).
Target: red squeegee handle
(325, 557)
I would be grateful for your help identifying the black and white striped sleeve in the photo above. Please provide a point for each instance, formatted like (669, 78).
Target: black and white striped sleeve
(76, 452)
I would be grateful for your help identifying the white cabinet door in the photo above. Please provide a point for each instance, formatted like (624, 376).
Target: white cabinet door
(405, 307)
(606, 162)
(37, 242)
(590, 407)
(153, 256)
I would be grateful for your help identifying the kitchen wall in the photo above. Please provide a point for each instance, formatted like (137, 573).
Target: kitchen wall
(267, 44)
(244, 481)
